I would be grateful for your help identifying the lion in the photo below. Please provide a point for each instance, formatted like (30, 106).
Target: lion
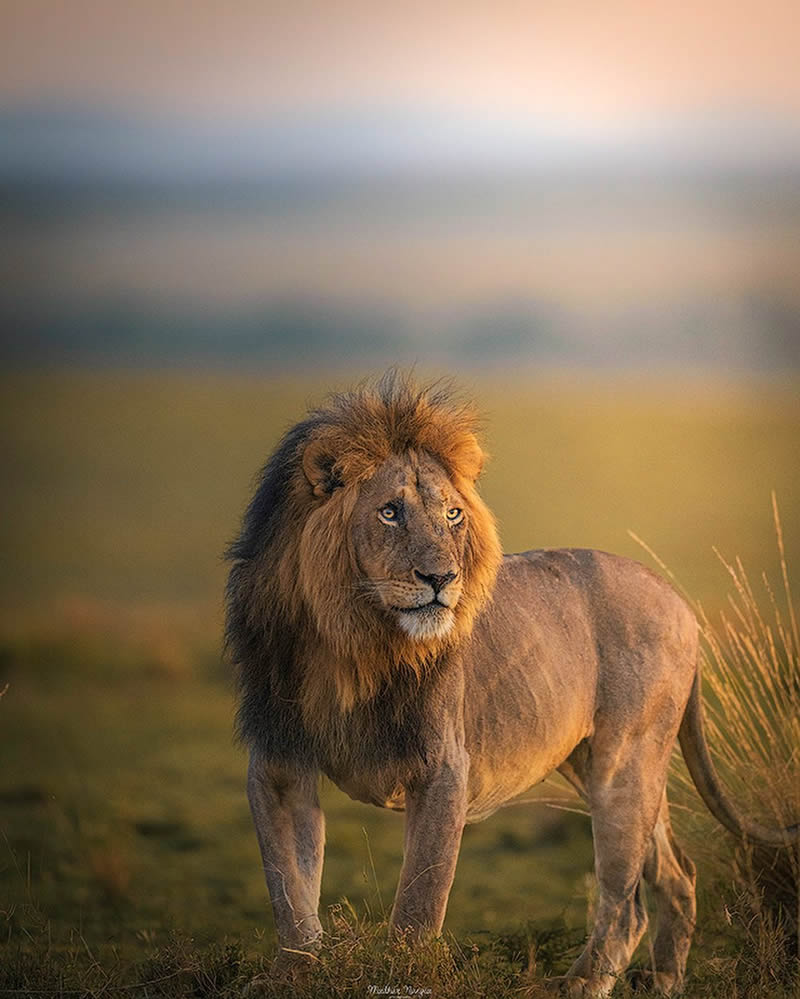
(381, 638)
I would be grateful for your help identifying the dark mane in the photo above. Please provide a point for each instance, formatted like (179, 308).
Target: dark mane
(262, 514)
(292, 657)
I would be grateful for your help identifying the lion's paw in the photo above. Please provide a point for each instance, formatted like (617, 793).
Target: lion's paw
(576, 987)
(662, 983)
(290, 967)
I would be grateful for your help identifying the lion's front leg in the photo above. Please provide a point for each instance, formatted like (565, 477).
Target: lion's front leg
(435, 815)
(291, 834)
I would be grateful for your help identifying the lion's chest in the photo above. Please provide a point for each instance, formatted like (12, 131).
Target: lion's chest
(374, 749)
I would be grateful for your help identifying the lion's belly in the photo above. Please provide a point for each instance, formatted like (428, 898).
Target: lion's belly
(388, 794)
(504, 766)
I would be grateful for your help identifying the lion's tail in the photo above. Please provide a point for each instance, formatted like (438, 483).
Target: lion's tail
(698, 760)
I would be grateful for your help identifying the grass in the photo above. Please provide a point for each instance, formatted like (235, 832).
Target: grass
(752, 681)
(356, 960)
(125, 487)
(126, 849)
(124, 813)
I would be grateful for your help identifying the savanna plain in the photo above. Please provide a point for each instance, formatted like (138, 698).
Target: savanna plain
(128, 862)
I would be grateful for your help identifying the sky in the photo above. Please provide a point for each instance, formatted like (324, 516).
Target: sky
(609, 60)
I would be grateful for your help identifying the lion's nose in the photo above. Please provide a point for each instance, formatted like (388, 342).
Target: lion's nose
(434, 581)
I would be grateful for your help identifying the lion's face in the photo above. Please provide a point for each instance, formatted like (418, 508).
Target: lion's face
(367, 550)
(408, 534)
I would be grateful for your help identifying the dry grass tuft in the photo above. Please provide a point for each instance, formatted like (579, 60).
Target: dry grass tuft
(751, 673)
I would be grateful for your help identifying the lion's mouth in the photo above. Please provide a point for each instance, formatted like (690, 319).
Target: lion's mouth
(432, 605)
(426, 622)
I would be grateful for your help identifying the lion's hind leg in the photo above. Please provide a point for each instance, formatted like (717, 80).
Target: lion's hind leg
(670, 876)
(624, 780)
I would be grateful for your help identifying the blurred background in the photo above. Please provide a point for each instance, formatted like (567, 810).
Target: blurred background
(210, 215)
(297, 185)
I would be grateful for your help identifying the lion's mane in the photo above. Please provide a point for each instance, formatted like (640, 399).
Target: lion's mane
(308, 654)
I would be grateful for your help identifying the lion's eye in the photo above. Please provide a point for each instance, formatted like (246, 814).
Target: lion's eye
(388, 514)
(455, 514)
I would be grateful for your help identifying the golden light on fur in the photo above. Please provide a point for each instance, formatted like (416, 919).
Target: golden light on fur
(358, 615)
(307, 576)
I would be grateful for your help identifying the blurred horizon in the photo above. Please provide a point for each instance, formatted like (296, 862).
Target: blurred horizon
(399, 236)
(291, 187)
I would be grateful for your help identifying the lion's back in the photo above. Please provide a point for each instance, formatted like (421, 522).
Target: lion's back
(621, 596)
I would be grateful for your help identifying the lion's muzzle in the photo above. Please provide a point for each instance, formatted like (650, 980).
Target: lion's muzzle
(424, 608)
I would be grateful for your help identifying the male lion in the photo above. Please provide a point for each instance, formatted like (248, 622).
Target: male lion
(382, 639)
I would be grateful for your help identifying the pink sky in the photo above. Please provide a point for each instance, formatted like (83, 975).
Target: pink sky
(616, 58)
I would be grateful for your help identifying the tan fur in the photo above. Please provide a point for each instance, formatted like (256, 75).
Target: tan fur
(310, 575)
(398, 654)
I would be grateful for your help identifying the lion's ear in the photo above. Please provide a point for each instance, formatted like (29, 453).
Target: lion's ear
(319, 467)
(471, 457)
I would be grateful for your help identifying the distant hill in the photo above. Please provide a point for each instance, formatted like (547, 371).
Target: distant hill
(107, 189)
(743, 333)
(80, 144)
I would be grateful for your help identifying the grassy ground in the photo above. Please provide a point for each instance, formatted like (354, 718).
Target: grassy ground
(126, 848)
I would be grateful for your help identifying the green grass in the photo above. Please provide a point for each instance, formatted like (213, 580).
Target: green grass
(126, 486)
(126, 847)
(124, 814)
